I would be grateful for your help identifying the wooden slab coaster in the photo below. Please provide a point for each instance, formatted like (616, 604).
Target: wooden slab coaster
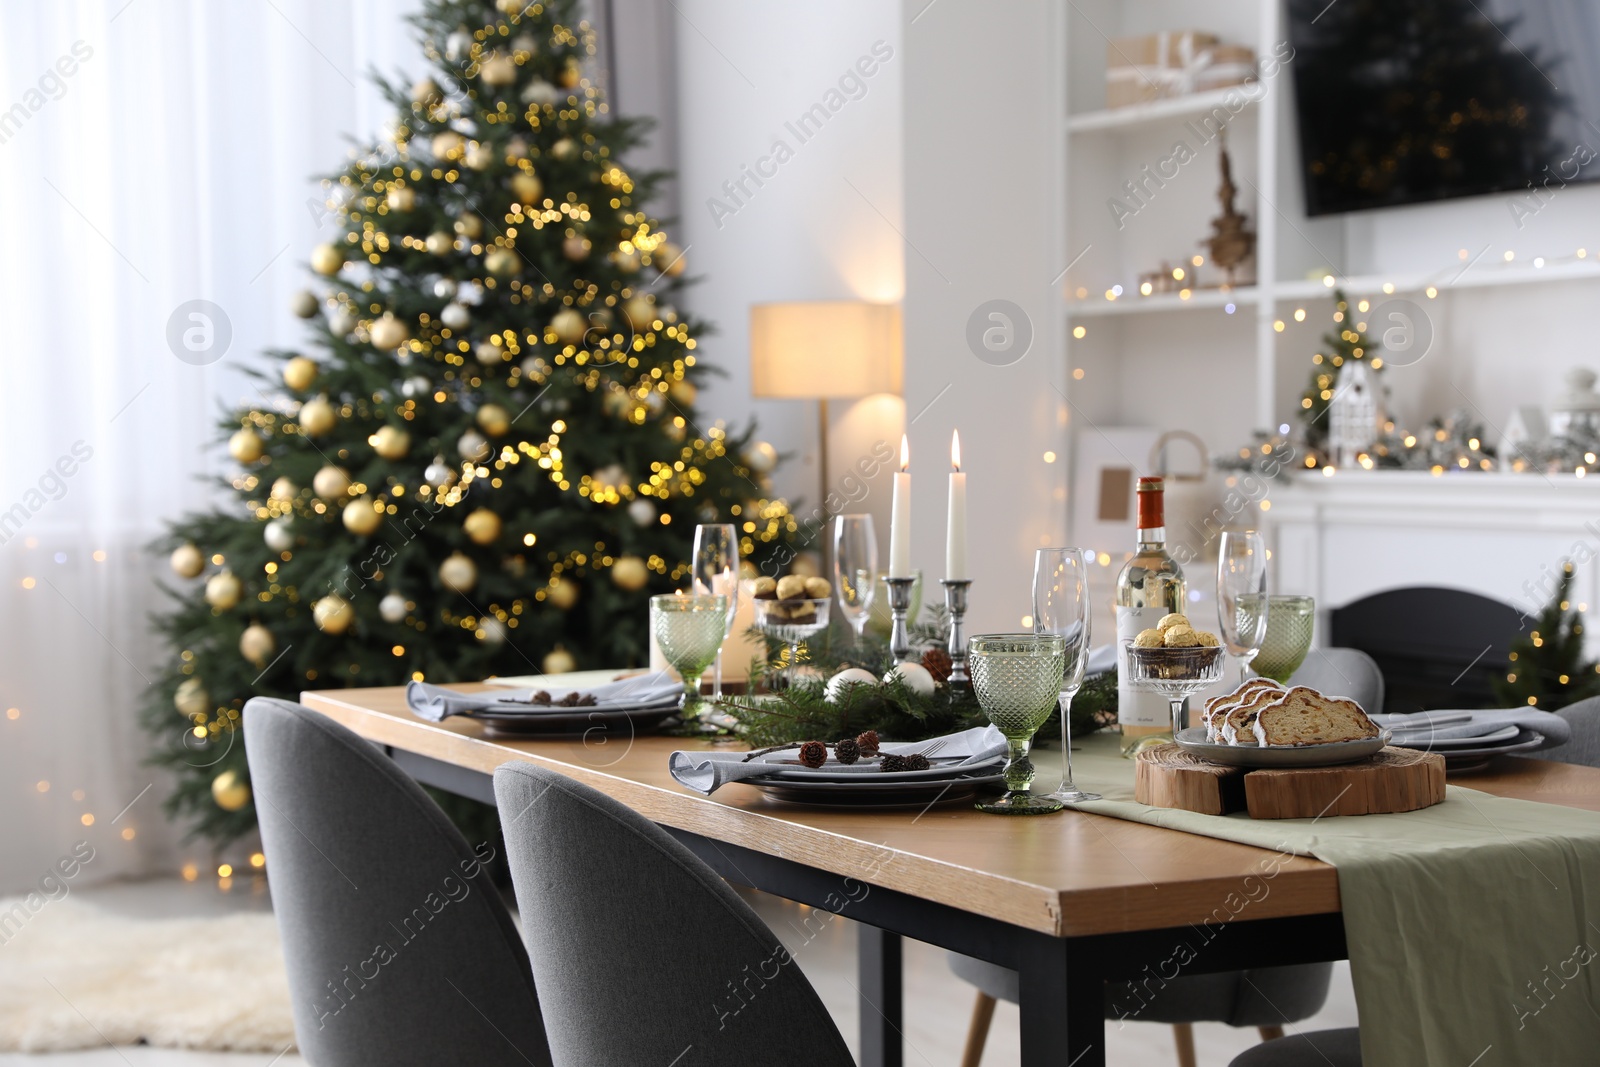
(1394, 780)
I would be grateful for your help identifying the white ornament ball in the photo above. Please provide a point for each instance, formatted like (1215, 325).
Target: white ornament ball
(498, 69)
(458, 573)
(569, 326)
(326, 259)
(317, 416)
(559, 661)
(393, 608)
(473, 446)
(191, 698)
(341, 323)
(642, 512)
(440, 243)
(914, 675)
(401, 198)
(388, 332)
(471, 294)
(447, 145)
(284, 490)
(439, 474)
(415, 387)
(223, 590)
(761, 457)
(331, 483)
(846, 677)
(542, 94)
(360, 517)
(535, 368)
(479, 156)
(390, 442)
(425, 92)
(491, 631)
(458, 46)
(487, 354)
(564, 149)
(304, 303)
(278, 536)
(245, 446)
(187, 561)
(456, 316)
(333, 614)
(256, 644)
(444, 288)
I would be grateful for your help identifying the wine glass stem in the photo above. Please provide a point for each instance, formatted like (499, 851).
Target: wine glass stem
(716, 678)
(794, 663)
(1177, 716)
(1019, 768)
(1066, 742)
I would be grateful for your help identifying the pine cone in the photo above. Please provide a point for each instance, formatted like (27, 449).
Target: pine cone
(937, 663)
(868, 743)
(846, 751)
(890, 762)
(813, 754)
(917, 762)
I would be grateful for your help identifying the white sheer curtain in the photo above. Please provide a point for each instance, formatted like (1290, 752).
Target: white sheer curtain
(152, 152)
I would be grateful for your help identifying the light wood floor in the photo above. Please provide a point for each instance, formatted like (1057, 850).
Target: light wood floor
(937, 1003)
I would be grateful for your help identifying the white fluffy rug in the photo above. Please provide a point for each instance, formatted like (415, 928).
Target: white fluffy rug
(74, 976)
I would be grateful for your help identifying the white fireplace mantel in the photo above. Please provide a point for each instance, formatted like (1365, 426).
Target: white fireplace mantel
(1344, 537)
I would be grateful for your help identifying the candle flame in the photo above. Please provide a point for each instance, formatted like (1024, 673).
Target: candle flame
(905, 453)
(955, 450)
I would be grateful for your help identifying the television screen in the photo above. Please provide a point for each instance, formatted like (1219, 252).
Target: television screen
(1400, 103)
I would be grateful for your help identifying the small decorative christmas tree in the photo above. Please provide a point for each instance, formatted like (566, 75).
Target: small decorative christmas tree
(1345, 343)
(495, 455)
(1548, 669)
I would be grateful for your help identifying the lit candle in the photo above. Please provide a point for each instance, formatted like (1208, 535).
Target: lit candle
(900, 517)
(955, 546)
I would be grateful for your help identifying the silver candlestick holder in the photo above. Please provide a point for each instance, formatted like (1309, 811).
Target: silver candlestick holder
(955, 602)
(899, 605)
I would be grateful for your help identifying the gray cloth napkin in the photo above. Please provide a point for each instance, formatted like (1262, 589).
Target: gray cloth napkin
(1420, 729)
(436, 703)
(706, 772)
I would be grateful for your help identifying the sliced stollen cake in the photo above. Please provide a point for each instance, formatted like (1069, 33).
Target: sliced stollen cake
(1235, 727)
(1303, 716)
(1217, 708)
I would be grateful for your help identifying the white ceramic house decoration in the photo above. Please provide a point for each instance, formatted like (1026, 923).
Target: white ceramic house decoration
(1524, 431)
(1352, 414)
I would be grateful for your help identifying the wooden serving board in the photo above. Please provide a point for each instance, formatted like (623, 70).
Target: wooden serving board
(1396, 779)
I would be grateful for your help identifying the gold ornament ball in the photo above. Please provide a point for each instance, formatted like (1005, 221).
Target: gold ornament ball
(494, 420)
(502, 262)
(570, 75)
(333, 614)
(440, 244)
(489, 355)
(479, 156)
(447, 145)
(569, 326)
(245, 446)
(390, 442)
(640, 311)
(684, 392)
(304, 304)
(669, 259)
(469, 226)
(187, 561)
(458, 573)
(566, 148)
(527, 187)
(331, 483)
(482, 526)
(497, 70)
(563, 593)
(559, 661)
(317, 417)
(516, 150)
(257, 645)
(326, 259)
(510, 7)
(360, 517)
(630, 573)
(284, 491)
(388, 332)
(191, 698)
(628, 259)
(425, 93)
(223, 590)
(402, 198)
(576, 248)
(472, 446)
(229, 792)
(300, 373)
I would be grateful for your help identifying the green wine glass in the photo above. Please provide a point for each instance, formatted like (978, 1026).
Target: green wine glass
(1291, 620)
(1017, 680)
(690, 631)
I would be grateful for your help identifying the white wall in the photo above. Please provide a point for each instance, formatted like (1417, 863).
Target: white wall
(823, 227)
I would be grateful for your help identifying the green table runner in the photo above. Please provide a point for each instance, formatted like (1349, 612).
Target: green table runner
(1473, 926)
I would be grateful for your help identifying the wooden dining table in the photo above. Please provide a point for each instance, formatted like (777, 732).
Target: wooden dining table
(1070, 901)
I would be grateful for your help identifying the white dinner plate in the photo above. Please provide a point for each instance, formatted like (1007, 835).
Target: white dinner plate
(1331, 754)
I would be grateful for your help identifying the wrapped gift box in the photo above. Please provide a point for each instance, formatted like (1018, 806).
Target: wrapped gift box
(1155, 66)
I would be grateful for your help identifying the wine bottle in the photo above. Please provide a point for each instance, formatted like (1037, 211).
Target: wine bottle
(1149, 587)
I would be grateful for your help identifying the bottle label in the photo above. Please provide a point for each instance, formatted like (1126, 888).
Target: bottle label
(1136, 706)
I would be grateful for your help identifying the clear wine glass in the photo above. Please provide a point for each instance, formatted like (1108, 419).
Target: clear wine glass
(1017, 680)
(855, 562)
(716, 573)
(1242, 595)
(1062, 606)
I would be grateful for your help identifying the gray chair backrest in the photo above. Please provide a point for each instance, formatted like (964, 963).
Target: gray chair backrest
(1343, 672)
(1584, 747)
(641, 953)
(399, 949)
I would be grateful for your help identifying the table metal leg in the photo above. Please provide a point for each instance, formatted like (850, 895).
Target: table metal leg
(879, 972)
(1062, 1006)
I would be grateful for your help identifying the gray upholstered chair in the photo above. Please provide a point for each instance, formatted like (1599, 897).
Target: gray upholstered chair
(1321, 1048)
(1584, 747)
(639, 950)
(399, 949)
(1233, 997)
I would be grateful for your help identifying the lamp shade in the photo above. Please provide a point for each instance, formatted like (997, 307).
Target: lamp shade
(824, 348)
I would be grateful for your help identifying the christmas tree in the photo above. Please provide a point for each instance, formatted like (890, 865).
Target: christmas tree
(1548, 669)
(494, 454)
(1347, 342)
